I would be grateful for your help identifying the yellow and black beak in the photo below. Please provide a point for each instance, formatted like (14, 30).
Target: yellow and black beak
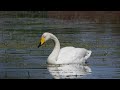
(42, 41)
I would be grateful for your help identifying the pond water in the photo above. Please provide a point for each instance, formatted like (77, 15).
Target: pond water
(21, 59)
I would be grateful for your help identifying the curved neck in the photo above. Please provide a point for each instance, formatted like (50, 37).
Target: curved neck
(54, 55)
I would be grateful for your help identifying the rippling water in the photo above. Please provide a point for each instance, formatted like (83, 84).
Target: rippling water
(20, 58)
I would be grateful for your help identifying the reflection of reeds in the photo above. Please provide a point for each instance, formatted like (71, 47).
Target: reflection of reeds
(6, 58)
(21, 14)
(93, 16)
(28, 74)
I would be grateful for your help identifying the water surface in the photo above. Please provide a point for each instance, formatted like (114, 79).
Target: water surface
(21, 59)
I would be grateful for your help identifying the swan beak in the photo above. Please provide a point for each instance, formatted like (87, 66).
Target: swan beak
(42, 41)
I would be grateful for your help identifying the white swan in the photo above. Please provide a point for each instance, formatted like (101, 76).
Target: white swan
(66, 55)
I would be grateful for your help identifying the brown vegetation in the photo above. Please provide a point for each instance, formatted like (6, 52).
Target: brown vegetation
(95, 16)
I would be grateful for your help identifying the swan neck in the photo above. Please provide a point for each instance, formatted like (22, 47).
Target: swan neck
(52, 59)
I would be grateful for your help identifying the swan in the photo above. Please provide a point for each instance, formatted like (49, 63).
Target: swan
(65, 55)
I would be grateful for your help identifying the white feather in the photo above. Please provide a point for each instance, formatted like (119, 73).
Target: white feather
(66, 55)
(69, 55)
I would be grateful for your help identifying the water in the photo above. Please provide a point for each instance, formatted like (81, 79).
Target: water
(21, 59)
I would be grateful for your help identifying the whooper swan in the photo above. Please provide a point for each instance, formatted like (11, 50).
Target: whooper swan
(66, 55)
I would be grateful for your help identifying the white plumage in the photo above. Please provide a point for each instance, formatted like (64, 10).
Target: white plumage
(69, 55)
(66, 55)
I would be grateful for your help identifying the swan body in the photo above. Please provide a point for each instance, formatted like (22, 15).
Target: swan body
(66, 55)
(72, 55)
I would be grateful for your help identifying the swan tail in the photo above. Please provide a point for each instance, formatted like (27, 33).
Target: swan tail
(88, 54)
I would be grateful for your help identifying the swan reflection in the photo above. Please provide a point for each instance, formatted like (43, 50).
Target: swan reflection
(71, 71)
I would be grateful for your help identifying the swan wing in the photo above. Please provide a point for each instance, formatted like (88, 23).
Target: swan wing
(72, 55)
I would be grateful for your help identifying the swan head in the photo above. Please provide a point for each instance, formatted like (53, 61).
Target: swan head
(45, 36)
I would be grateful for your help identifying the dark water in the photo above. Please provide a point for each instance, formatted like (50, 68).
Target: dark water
(21, 59)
